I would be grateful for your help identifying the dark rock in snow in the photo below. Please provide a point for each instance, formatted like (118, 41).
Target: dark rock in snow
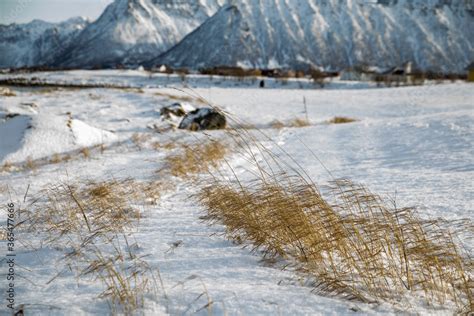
(203, 119)
(175, 109)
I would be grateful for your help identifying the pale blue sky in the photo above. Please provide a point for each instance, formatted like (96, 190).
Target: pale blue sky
(23, 11)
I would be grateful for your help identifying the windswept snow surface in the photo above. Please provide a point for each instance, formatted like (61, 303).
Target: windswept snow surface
(416, 142)
(38, 136)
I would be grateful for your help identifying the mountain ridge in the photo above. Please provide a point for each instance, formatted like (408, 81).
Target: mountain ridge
(330, 34)
(132, 31)
(433, 34)
(37, 43)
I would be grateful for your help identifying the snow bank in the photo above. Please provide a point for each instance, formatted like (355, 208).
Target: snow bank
(37, 136)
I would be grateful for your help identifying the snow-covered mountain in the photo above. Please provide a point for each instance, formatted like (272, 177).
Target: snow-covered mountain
(38, 42)
(434, 34)
(334, 34)
(133, 31)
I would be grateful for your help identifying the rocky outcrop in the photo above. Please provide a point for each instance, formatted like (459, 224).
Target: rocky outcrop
(203, 119)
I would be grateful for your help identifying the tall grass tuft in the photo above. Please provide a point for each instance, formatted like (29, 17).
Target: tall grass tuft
(93, 222)
(350, 242)
(195, 159)
(341, 120)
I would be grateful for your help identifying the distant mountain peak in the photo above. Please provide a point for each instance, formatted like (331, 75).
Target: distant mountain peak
(37, 43)
(333, 34)
(133, 31)
(433, 34)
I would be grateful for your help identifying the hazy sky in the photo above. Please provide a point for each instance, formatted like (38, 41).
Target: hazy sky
(23, 11)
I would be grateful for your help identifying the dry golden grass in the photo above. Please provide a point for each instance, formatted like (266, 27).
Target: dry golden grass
(156, 145)
(276, 124)
(356, 246)
(7, 92)
(101, 148)
(296, 123)
(30, 164)
(95, 220)
(167, 146)
(126, 279)
(7, 167)
(102, 207)
(348, 240)
(341, 120)
(85, 152)
(140, 139)
(56, 158)
(196, 159)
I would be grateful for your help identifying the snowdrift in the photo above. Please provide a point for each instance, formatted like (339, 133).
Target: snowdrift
(37, 136)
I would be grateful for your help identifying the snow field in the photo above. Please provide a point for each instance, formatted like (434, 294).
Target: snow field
(417, 142)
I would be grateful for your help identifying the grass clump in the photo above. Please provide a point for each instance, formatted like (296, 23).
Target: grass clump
(99, 207)
(92, 222)
(341, 120)
(198, 158)
(30, 164)
(7, 92)
(356, 246)
(6, 167)
(298, 122)
(140, 139)
(295, 123)
(350, 242)
(55, 159)
(159, 146)
(85, 152)
(276, 124)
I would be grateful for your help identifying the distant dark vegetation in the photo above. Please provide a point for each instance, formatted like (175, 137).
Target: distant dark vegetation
(416, 78)
(389, 78)
(37, 82)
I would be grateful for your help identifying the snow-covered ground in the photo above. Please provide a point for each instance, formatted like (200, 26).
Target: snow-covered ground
(416, 143)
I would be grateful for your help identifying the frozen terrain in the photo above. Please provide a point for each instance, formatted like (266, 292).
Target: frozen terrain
(415, 143)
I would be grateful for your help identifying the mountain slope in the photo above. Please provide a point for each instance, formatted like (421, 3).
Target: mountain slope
(38, 42)
(434, 34)
(131, 31)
